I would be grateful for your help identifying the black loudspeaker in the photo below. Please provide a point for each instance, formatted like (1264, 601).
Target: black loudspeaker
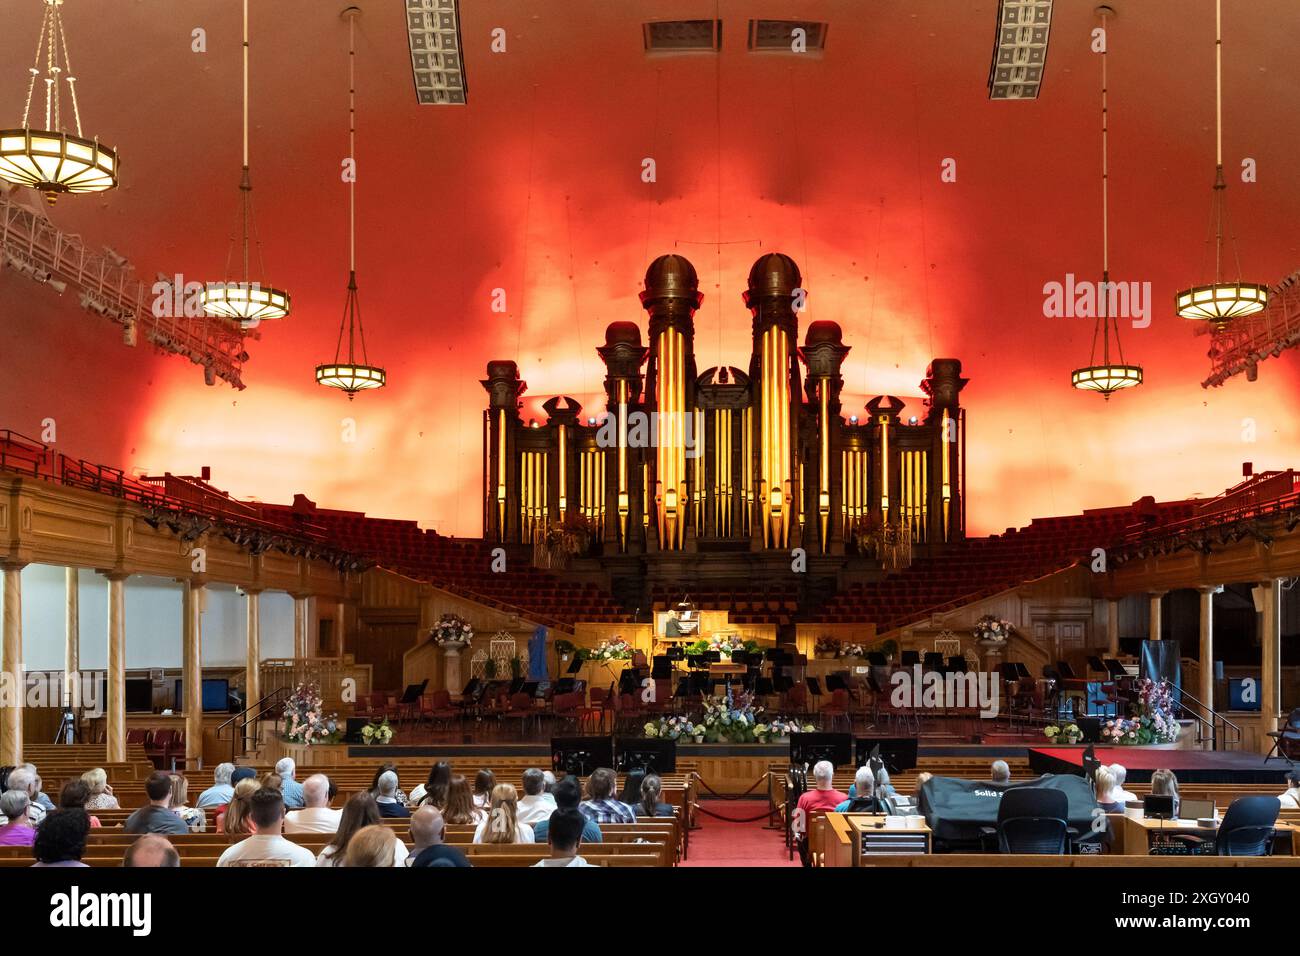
(353, 733)
(1091, 727)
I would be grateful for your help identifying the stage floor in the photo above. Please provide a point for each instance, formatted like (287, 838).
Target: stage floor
(1190, 766)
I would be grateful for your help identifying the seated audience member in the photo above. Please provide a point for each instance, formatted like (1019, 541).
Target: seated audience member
(39, 798)
(101, 794)
(61, 838)
(564, 836)
(266, 847)
(17, 829)
(372, 846)
(484, 782)
(273, 781)
(502, 824)
(74, 796)
(536, 804)
(600, 805)
(433, 791)
(1001, 772)
(389, 804)
(823, 796)
(234, 818)
(651, 804)
(219, 794)
(24, 781)
(884, 788)
(460, 809)
(863, 799)
(292, 789)
(550, 781)
(359, 812)
(1104, 782)
(316, 816)
(427, 828)
(194, 818)
(568, 795)
(156, 817)
(389, 767)
(153, 851)
(1165, 784)
(1290, 798)
(1120, 773)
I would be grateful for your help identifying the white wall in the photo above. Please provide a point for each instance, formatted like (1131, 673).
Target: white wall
(153, 622)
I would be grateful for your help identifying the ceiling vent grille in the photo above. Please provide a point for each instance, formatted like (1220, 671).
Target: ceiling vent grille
(787, 36)
(683, 36)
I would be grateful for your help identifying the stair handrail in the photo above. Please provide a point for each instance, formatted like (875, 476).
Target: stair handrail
(242, 720)
(1214, 718)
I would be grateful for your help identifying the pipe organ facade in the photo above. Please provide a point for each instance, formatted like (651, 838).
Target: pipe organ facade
(764, 459)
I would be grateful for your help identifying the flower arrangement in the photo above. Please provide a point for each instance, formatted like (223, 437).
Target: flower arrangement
(452, 630)
(990, 628)
(305, 720)
(725, 720)
(726, 645)
(616, 649)
(1064, 733)
(377, 733)
(827, 646)
(853, 650)
(1152, 721)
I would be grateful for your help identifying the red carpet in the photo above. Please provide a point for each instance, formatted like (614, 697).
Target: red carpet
(723, 843)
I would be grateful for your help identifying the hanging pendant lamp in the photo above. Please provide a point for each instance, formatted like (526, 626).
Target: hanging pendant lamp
(346, 373)
(1222, 300)
(1105, 377)
(51, 159)
(247, 302)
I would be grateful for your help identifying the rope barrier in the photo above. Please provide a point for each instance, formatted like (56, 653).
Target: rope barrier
(724, 796)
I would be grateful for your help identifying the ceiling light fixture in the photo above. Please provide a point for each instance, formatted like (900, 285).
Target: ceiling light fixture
(244, 301)
(351, 376)
(1108, 376)
(51, 159)
(1220, 302)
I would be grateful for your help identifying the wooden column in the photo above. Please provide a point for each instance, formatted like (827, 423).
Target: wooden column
(192, 670)
(1271, 642)
(340, 627)
(11, 710)
(1206, 690)
(301, 623)
(115, 706)
(1112, 627)
(1155, 628)
(253, 657)
(71, 637)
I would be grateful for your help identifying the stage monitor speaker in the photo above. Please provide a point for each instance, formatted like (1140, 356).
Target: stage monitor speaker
(646, 755)
(581, 755)
(353, 733)
(809, 748)
(1091, 727)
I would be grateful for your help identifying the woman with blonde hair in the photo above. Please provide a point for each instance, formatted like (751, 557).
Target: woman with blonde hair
(460, 807)
(360, 814)
(1104, 779)
(101, 794)
(194, 818)
(373, 845)
(235, 817)
(502, 824)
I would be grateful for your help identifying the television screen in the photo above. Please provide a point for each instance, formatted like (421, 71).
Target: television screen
(216, 695)
(138, 695)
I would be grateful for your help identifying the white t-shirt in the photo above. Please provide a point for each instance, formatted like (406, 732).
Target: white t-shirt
(576, 861)
(1290, 800)
(312, 820)
(266, 849)
(535, 809)
(400, 854)
(523, 832)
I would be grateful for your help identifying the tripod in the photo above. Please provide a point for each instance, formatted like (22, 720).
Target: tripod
(67, 732)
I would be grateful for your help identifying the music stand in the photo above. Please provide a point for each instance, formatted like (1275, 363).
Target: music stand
(662, 667)
(575, 665)
(516, 686)
(911, 658)
(933, 661)
(675, 653)
(581, 755)
(876, 659)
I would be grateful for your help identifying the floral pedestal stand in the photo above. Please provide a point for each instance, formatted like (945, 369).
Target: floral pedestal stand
(992, 649)
(451, 669)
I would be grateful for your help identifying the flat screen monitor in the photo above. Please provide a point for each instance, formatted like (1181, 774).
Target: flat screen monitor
(897, 753)
(647, 754)
(138, 695)
(581, 755)
(809, 748)
(215, 694)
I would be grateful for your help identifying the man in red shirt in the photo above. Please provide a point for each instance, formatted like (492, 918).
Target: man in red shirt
(825, 797)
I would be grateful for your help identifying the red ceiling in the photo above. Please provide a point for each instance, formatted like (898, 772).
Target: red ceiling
(535, 188)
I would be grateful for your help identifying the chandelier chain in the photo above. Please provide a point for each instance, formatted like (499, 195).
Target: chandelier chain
(72, 80)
